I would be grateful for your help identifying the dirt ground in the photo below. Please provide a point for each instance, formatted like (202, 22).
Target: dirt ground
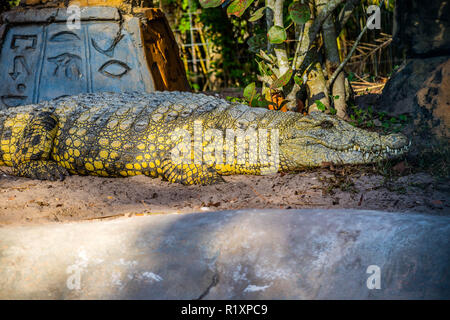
(25, 201)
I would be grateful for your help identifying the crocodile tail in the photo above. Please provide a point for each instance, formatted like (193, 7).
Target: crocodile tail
(2, 125)
(4, 140)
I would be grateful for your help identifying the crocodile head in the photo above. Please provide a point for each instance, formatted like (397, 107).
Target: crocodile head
(318, 138)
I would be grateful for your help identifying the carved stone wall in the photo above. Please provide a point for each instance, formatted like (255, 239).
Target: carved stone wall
(126, 6)
(41, 58)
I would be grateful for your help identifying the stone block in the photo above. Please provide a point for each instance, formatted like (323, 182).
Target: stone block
(42, 57)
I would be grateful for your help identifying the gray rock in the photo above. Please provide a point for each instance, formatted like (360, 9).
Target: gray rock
(247, 254)
(421, 89)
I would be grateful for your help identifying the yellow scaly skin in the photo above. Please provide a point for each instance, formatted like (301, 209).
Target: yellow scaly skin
(113, 135)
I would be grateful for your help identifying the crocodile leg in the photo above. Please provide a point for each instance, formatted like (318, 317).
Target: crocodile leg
(188, 174)
(32, 156)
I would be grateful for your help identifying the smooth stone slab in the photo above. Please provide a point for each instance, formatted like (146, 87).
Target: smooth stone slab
(245, 254)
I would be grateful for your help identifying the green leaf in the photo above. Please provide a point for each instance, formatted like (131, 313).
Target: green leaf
(277, 35)
(320, 105)
(250, 91)
(299, 12)
(262, 67)
(266, 57)
(336, 97)
(255, 100)
(13, 3)
(298, 80)
(210, 3)
(258, 14)
(237, 7)
(283, 80)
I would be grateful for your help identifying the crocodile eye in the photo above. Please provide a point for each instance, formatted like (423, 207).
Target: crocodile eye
(326, 124)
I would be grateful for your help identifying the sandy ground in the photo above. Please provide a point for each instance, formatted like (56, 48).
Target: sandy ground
(25, 201)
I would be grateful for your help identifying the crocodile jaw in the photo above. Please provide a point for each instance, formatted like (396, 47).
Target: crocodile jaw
(297, 154)
(321, 138)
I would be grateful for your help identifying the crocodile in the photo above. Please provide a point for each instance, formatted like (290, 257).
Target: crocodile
(131, 133)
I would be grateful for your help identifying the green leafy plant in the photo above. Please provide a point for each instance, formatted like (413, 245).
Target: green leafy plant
(219, 42)
(276, 76)
(253, 98)
(297, 39)
(256, 99)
